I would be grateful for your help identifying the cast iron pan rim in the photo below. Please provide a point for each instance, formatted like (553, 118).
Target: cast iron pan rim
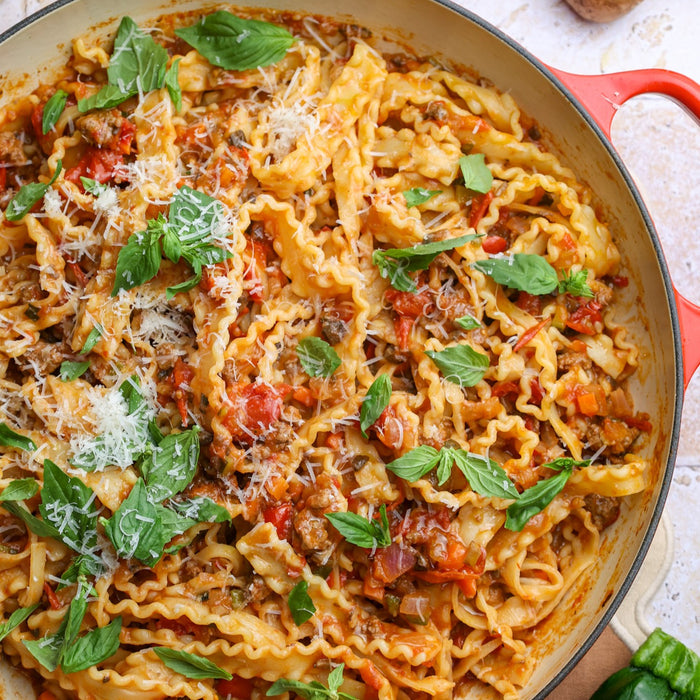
(677, 349)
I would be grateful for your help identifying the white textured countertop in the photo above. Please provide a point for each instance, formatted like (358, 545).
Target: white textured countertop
(661, 146)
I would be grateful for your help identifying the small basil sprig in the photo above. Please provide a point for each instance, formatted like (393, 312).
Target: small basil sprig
(360, 531)
(395, 263)
(170, 466)
(313, 690)
(9, 438)
(188, 233)
(173, 84)
(468, 322)
(419, 195)
(71, 652)
(317, 357)
(69, 371)
(484, 475)
(477, 176)
(52, 110)
(93, 336)
(137, 65)
(28, 195)
(19, 490)
(233, 43)
(375, 401)
(300, 604)
(460, 364)
(16, 619)
(190, 665)
(538, 497)
(576, 284)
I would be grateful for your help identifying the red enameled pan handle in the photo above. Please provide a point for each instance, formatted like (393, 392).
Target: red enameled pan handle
(602, 96)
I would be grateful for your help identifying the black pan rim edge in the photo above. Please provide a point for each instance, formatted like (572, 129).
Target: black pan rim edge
(670, 299)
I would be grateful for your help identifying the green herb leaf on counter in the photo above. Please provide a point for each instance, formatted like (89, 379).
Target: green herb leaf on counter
(233, 43)
(468, 322)
(9, 438)
(93, 336)
(70, 371)
(137, 65)
(190, 665)
(28, 195)
(524, 271)
(395, 263)
(360, 531)
(300, 604)
(313, 690)
(16, 619)
(375, 401)
(476, 174)
(19, 490)
(460, 364)
(52, 110)
(419, 195)
(173, 84)
(317, 357)
(538, 497)
(576, 284)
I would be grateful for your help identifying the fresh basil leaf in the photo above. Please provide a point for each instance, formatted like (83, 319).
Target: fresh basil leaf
(47, 650)
(395, 263)
(68, 505)
(317, 357)
(190, 665)
(566, 463)
(460, 364)
(485, 477)
(82, 566)
(9, 438)
(313, 690)
(535, 499)
(476, 174)
(92, 648)
(415, 464)
(185, 286)
(140, 529)
(300, 604)
(444, 466)
(232, 43)
(52, 110)
(70, 371)
(93, 336)
(139, 260)
(468, 322)
(360, 531)
(37, 526)
(19, 490)
(16, 619)
(526, 272)
(172, 248)
(170, 466)
(173, 84)
(137, 65)
(576, 284)
(375, 401)
(92, 186)
(201, 509)
(28, 195)
(418, 195)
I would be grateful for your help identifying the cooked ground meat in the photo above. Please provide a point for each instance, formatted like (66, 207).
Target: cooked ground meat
(569, 359)
(44, 357)
(11, 149)
(604, 511)
(333, 329)
(101, 128)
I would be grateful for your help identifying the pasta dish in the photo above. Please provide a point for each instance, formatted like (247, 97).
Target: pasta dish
(311, 378)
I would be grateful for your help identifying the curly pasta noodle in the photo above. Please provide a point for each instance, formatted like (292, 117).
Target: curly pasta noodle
(312, 159)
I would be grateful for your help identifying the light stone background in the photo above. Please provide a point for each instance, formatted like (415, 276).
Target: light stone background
(661, 146)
